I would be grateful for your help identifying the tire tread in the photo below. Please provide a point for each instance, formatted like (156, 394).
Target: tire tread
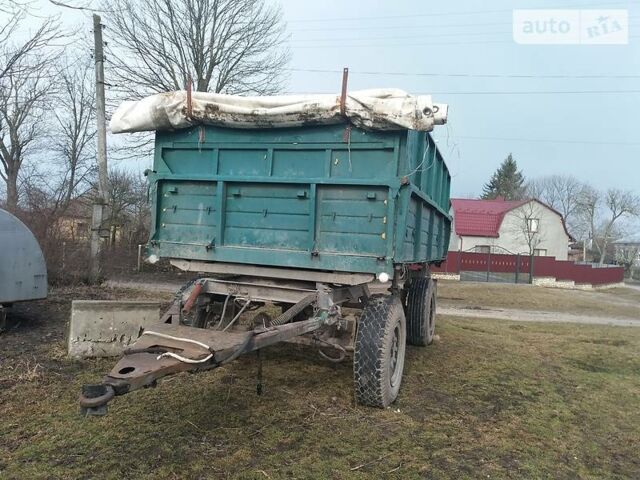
(370, 352)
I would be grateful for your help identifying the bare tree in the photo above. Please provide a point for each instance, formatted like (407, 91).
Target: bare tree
(67, 174)
(139, 214)
(24, 93)
(603, 212)
(54, 192)
(628, 255)
(560, 192)
(527, 225)
(122, 198)
(74, 132)
(12, 53)
(619, 205)
(228, 46)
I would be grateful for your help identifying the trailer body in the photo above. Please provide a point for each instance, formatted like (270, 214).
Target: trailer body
(332, 198)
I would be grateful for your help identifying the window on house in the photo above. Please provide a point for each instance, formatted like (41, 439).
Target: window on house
(483, 249)
(540, 252)
(533, 224)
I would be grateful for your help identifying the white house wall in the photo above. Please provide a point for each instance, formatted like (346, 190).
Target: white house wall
(552, 235)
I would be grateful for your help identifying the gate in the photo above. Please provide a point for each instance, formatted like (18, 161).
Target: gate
(496, 265)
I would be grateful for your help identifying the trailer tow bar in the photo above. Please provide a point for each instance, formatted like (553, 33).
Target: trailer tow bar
(166, 349)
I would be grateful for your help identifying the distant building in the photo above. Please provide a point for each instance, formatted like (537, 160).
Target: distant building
(75, 224)
(628, 249)
(527, 227)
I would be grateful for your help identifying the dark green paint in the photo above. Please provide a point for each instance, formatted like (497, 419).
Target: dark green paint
(300, 197)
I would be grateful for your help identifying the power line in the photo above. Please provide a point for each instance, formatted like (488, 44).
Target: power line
(500, 92)
(447, 14)
(546, 92)
(382, 17)
(396, 37)
(426, 35)
(546, 140)
(427, 44)
(421, 26)
(463, 75)
(404, 45)
(404, 27)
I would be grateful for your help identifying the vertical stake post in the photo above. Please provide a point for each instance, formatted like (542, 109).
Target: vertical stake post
(140, 257)
(189, 98)
(103, 175)
(343, 95)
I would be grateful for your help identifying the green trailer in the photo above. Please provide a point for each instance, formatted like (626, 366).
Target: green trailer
(317, 220)
(300, 198)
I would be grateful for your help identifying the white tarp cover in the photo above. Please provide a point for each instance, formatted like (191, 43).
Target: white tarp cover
(376, 109)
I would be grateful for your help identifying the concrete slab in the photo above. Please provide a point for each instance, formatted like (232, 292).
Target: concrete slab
(101, 328)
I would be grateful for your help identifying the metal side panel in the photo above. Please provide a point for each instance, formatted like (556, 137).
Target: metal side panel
(23, 272)
(332, 198)
(352, 220)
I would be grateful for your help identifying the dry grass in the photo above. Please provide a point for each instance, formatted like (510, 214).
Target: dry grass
(490, 399)
(617, 302)
(26, 371)
(624, 294)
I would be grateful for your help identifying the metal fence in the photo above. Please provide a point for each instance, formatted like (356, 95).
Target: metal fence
(522, 268)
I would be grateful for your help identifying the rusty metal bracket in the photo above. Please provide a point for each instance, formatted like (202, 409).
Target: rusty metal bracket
(189, 99)
(193, 296)
(166, 349)
(346, 136)
(343, 95)
(94, 399)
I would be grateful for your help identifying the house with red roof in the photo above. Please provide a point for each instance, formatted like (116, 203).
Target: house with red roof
(528, 227)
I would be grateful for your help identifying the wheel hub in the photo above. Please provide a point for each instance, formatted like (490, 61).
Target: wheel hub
(393, 358)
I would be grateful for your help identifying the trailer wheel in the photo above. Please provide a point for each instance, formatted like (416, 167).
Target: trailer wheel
(421, 311)
(379, 351)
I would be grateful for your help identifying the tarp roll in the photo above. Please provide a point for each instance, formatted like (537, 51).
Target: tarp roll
(375, 109)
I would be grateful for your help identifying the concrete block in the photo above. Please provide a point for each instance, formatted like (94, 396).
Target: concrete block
(445, 276)
(544, 281)
(605, 286)
(105, 328)
(552, 282)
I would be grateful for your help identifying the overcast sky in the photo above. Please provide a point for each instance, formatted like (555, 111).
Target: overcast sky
(593, 136)
(601, 130)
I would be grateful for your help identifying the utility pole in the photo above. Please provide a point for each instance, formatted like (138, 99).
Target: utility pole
(101, 199)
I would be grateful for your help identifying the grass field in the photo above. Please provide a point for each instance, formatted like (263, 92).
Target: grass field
(615, 302)
(490, 399)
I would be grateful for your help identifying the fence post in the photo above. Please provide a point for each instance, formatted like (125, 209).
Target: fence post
(140, 257)
(531, 269)
(488, 264)
(517, 266)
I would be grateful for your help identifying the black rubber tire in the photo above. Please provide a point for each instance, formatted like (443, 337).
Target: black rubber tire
(381, 331)
(421, 311)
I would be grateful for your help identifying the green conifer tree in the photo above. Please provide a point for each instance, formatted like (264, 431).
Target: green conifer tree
(507, 182)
